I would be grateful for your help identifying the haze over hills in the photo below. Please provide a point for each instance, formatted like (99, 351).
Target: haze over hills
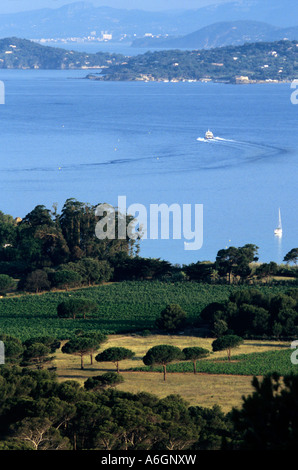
(222, 34)
(82, 18)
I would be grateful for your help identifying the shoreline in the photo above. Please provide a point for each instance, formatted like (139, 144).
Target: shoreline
(233, 81)
(146, 79)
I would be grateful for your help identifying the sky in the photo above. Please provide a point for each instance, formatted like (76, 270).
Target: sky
(12, 6)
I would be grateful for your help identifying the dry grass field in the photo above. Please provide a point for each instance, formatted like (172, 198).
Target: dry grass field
(200, 389)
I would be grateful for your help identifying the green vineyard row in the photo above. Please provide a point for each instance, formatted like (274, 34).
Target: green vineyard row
(122, 307)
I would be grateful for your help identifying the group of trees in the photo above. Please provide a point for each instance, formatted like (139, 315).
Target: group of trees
(160, 355)
(37, 412)
(40, 413)
(233, 262)
(44, 240)
(165, 354)
(88, 344)
(82, 344)
(47, 250)
(231, 265)
(85, 272)
(76, 307)
(36, 352)
(239, 265)
(252, 313)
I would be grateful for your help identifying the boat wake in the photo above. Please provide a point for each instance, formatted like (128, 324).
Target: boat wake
(215, 139)
(242, 152)
(264, 149)
(233, 153)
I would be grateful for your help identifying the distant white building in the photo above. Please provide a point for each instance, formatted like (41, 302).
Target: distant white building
(105, 36)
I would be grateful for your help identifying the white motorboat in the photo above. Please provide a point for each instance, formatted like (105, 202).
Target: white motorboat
(209, 135)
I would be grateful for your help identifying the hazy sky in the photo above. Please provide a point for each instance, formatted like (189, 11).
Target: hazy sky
(7, 6)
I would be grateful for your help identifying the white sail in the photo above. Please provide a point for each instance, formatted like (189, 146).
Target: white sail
(278, 230)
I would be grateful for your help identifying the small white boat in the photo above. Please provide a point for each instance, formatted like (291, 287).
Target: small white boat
(209, 135)
(278, 230)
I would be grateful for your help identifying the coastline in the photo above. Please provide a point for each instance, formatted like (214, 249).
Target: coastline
(147, 79)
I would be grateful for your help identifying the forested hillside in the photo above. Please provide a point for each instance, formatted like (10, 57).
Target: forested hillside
(262, 61)
(258, 62)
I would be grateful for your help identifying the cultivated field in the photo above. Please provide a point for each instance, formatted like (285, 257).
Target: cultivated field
(202, 389)
(133, 307)
(122, 307)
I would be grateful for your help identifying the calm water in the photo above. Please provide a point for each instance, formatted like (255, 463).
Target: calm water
(62, 137)
(124, 48)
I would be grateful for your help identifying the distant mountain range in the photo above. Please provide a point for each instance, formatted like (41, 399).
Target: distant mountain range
(222, 34)
(82, 18)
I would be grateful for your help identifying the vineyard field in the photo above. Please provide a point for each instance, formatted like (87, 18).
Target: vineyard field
(257, 364)
(122, 307)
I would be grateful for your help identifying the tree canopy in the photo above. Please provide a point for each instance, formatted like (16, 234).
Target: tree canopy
(100, 382)
(193, 353)
(171, 318)
(253, 313)
(227, 342)
(75, 307)
(233, 262)
(115, 355)
(6, 283)
(268, 418)
(80, 346)
(292, 256)
(162, 354)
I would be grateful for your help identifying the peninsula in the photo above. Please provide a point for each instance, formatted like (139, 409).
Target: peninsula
(248, 63)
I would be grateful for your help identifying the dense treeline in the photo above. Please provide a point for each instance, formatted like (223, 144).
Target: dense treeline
(39, 413)
(47, 250)
(35, 351)
(253, 313)
(67, 416)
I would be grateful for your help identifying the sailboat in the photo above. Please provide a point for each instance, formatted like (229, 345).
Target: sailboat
(278, 230)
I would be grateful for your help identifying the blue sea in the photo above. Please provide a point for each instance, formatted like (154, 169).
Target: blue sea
(66, 137)
(124, 48)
